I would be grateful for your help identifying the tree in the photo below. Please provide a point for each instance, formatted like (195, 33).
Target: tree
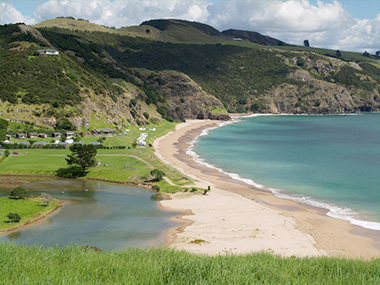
(64, 124)
(14, 217)
(338, 53)
(366, 53)
(3, 124)
(3, 135)
(157, 174)
(82, 155)
(306, 43)
(156, 188)
(19, 193)
(377, 53)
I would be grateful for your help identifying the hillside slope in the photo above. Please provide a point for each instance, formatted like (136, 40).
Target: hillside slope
(177, 70)
(83, 83)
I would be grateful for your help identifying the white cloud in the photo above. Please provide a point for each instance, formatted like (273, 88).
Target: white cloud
(123, 13)
(9, 14)
(324, 24)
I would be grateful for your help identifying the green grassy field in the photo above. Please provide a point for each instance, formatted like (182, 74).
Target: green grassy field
(123, 165)
(73, 265)
(28, 209)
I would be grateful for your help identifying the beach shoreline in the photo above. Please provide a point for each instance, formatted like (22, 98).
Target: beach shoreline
(238, 218)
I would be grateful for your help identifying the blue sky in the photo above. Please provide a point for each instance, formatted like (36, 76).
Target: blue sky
(341, 24)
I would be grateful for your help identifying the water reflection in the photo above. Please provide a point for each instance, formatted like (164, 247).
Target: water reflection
(110, 216)
(14, 235)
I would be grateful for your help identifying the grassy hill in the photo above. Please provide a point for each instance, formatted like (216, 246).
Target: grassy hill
(81, 80)
(75, 265)
(118, 74)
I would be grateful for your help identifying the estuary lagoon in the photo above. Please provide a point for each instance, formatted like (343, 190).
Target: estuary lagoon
(110, 216)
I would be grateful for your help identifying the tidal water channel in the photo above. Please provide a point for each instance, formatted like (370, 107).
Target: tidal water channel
(110, 216)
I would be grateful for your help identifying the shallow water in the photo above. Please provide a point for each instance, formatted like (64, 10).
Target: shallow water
(328, 161)
(110, 216)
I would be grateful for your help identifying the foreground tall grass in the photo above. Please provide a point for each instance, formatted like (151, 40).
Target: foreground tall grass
(73, 265)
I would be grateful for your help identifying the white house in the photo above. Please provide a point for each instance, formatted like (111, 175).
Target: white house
(48, 52)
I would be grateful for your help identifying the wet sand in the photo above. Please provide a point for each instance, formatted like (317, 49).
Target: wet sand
(238, 218)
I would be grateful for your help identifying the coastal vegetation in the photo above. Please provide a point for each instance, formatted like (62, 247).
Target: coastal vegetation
(176, 71)
(20, 212)
(75, 265)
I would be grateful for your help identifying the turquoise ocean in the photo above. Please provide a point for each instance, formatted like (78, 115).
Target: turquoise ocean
(332, 162)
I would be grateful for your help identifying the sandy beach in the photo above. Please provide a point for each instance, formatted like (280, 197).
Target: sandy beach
(237, 218)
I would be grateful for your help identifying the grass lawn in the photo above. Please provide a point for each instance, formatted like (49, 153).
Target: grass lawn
(123, 165)
(28, 209)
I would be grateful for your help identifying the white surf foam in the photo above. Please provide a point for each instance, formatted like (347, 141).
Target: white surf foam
(332, 210)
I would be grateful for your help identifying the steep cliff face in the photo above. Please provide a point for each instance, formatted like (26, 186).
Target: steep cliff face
(324, 86)
(185, 99)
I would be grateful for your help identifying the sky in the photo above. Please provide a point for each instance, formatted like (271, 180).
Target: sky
(349, 25)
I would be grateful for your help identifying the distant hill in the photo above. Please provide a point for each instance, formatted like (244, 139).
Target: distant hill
(253, 37)
(165, 24)
(173, 70)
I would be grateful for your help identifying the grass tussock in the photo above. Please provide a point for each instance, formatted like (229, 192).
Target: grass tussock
(73, 265)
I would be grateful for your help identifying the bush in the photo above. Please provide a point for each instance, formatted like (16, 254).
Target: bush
(158, 174)
(14, 217)
(156, 188)
(19, 193)
(300, 61)
(133, 102)
(65, 124)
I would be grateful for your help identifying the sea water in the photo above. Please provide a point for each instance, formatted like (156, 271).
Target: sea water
(332, 162)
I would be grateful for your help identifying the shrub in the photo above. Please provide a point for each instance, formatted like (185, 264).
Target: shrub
(65, 124)
(170, 119)
(133, 102)
(19, 193)
(146, 115)
(156, 188)
(14, 217)
(157, 174)
(300, 61)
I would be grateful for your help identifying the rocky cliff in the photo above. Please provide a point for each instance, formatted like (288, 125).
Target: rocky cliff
(185, 99)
